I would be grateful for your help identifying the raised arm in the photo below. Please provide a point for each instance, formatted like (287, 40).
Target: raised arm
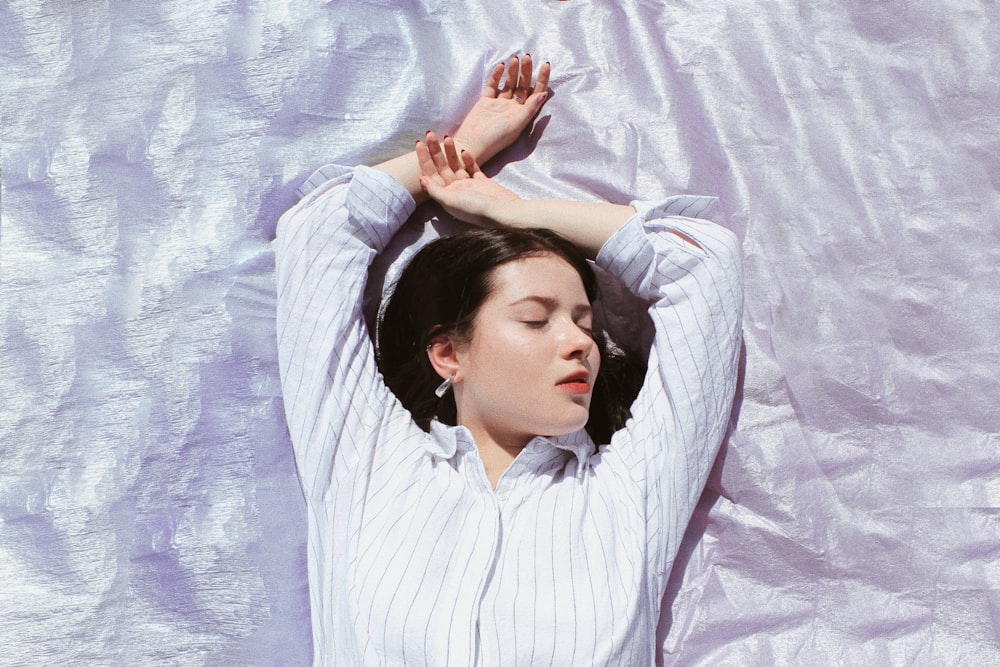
(452, 177)
(688, 269)
(510, 100)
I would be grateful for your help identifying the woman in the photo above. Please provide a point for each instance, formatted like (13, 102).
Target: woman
(508, 537)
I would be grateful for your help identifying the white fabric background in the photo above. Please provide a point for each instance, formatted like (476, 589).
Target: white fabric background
(149, 511)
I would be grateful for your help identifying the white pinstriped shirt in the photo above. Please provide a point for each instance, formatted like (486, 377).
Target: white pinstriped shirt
(413, 558)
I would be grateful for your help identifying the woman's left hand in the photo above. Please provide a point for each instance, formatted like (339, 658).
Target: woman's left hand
(496, 120)
(454, 180)
(500, 115)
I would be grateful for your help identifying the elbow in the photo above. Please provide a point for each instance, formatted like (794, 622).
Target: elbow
(727, 252)
(727, 255)
(728, 246)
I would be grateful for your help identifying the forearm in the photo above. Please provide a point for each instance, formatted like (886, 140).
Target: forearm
(587, 224)
(405, 169)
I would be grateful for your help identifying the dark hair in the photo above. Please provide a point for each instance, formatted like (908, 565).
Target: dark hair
(442, 289)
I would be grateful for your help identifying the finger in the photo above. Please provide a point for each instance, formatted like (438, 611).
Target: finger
(471, 166)
(534, 103)
(524, 82)
(437, 155)
(451, 155)
(431, 187)
(437, 190)
(511, 83)
(424, 159)
(542, 84)
(492, 86)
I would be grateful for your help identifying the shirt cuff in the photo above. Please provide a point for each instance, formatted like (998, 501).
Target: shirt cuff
(629, 253)
(687, 206)
(381, 204)
(376, 202)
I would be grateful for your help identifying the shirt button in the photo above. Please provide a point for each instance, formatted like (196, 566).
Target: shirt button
(502, 497)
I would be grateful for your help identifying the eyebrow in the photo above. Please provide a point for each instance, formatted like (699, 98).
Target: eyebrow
(552, 304)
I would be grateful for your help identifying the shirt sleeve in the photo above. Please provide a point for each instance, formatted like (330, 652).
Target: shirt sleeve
(689, 269)
(334, 396)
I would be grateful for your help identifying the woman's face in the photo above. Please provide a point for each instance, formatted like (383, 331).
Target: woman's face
(530, 366)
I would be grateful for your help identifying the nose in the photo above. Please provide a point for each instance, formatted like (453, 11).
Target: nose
(577, 342)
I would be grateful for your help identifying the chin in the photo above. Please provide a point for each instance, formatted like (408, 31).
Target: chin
(569, 426)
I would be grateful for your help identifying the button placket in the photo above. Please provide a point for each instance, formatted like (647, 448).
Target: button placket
(525, 463)
(505, 486)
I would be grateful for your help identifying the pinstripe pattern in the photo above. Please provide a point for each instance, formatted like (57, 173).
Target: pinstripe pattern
(413, 559)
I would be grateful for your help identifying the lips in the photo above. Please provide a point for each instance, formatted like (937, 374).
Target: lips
(577, 383)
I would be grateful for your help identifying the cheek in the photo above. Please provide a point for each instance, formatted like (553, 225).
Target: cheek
(501, 351)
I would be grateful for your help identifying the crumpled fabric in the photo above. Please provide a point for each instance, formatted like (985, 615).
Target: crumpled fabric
(149, 509)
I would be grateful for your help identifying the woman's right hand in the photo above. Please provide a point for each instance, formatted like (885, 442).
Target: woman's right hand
(454, 180)
(500, 116)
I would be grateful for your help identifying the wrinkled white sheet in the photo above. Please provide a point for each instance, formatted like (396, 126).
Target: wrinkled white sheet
(149, 511)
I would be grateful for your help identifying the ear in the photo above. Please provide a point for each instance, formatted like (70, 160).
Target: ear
(443, 355)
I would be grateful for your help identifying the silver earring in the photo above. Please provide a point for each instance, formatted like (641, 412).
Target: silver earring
(443, 387)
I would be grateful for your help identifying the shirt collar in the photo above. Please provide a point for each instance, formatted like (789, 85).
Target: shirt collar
(446, 441)
(578, 442)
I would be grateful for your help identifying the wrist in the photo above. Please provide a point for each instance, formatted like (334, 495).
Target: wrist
(478, 149)
(511, 212)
